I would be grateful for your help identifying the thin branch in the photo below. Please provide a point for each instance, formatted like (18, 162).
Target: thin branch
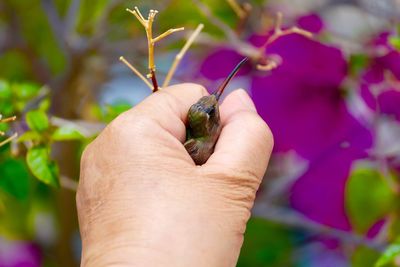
(9, 139)
(278, 33)
(71, 17)
(9, 119)
(234, 41)
(68, 183)
(13, 118)
(297, 220)
(87, 129)
(134, 70)
(230, 34)
(165, 34)
(55, 22)
(240, 12)
(181, 54)
(148, 26)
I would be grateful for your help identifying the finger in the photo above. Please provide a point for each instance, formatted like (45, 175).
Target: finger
(169, 107)
(245, 142)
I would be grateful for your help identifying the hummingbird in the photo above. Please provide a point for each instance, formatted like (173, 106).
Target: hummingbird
(204, 122)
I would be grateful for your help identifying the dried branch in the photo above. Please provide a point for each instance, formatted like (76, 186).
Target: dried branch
(87, 129)
(278, 33)
(181, 54)
(68, 183)
(294, 219)
(240, 12)
(9, 139)
(230, 34)
(234, 41)
(148, 26)
(134, 70)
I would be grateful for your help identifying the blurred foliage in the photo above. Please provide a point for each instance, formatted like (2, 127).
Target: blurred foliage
(266, 244)
(55, 58)
(368, 189)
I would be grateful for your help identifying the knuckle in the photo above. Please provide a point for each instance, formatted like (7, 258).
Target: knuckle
(201, 90)
(240, 184)
(126, 126)
(259, 128)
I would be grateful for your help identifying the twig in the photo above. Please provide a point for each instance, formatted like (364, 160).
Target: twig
(71, 17)
(13, 118)
(87, 129)
(148, 26)
(297, 220)
(9, 139)
(181, 54)
(234, 41)
(237, 9)
(230, 34)
(134, 70)
(68, 183)
(55, 22)
(278, 33)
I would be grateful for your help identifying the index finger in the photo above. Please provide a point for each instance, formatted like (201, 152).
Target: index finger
(169, 107)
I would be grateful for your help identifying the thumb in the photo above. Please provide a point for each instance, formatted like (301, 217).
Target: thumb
(245, 142)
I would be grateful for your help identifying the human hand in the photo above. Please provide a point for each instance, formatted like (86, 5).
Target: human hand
(143, 202)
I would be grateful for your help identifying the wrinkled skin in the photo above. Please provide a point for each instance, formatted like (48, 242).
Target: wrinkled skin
(141, 199)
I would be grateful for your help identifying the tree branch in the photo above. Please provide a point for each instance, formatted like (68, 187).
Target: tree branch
(296, 220)
(56, 24)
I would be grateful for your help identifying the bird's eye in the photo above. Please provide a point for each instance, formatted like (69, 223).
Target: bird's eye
(211, 110)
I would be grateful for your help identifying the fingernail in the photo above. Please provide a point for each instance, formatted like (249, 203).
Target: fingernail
(246, 100)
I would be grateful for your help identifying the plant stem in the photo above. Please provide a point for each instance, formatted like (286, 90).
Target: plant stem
(180, 55)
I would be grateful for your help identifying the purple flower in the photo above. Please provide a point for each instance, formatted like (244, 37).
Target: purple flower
(220, 63)
(19, 254)
(381, 81)
(302, 102)
(312, 23)
(319, 193)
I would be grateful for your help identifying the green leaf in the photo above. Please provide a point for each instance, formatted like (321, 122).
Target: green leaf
(266, 244)
(368, 198)
(358, 62)
(26, 90)
(44, 105)
(30, 136)
(364, 257)
(5, 90)
(42, 166)
(115, 109)
(395, 41)
(37, 120)
(389, 255)
(65, 133)
(14, 178)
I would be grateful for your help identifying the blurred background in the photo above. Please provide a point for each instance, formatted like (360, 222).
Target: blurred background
(331, 194)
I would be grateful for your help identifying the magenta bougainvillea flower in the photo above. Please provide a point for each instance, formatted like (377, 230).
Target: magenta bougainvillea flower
(219, 64)
(305, 107)
(380, 87)
(311, 22)
(302, 101)
(19, 254)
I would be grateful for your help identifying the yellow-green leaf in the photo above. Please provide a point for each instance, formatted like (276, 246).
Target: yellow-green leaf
(42, 166)
(37, 120)
(65, 133)
(389, 255)
(368, 198)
